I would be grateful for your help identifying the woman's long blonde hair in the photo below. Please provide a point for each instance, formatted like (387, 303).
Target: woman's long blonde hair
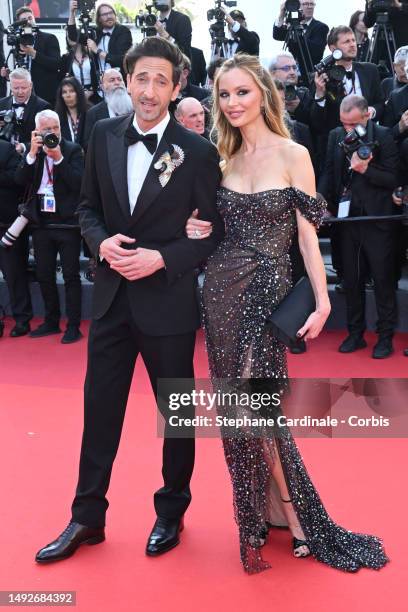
(228, 138)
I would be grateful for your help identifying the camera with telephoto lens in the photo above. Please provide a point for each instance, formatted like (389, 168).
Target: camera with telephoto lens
(217, 29)
(50, 140)
(86, 29)
(146, 21)
(334, 73)
(353, 143)
(293, 13)
(216, 13)
(21, 33)
(10, 124)
(27, 214)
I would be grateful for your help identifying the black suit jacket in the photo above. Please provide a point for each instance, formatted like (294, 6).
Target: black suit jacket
(165, 302)
(390, 84)
(372, 191)
(198, 67)
(33, 106)
(324, 119)
(67, 182)
(9, 192)
(120, 42)
(94, 114)
(248, 41)
(395, 108)
(179, 27)
(315, 35)
(45, 66)
(66, 132)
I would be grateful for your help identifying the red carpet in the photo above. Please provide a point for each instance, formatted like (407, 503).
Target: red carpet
(360, 481)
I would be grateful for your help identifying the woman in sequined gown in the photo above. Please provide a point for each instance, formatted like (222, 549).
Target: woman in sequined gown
(268, 189)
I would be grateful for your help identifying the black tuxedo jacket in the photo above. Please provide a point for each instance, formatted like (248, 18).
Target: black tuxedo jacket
(390, 84)
(94, 114)
(394, 109)
(198, 67)
(315, 35)
(164, 303)
(45, 66)
(67, 182)
(372, 191)
(9, 192)
(179, 27)
(324, 119)
(120, 42)
(33, 106)
(248, 41)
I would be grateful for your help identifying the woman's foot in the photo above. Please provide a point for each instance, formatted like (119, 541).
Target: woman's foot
(300, 547)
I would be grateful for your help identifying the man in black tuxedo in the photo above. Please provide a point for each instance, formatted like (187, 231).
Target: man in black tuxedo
(315, 31)
(400, 77)
(356, 187)
(396, 113)
(133, 218)
(42, 60)
(112, 39)
(116, 102)
(54, 175)
(25, 103)
(198, 67)
(283, 67)
(243, 41)
(174, 26)
(13, 262)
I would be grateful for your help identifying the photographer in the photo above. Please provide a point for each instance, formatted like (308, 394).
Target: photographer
(112, 39)
(396, 113)
(174, 26)
(297, 99)
(117, 102)
(315, 31)
(13, 262)
(398, 19)
(244, 41)
(359, 178)
(25, 105)
(55, 174)
(42, 59)
(400, 78)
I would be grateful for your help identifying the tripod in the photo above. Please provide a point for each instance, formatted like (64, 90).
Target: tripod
(296, 37)
(221, 47)
(382, 32)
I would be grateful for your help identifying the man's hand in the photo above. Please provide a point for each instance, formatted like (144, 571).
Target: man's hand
(28, 50)
(161, 30)
(228, 18)
(36, 143)
(4, 72)
(92, 46)
(320, 82)
(73, 5)
(403, 124)
(111, 250)
(292, 105)
(55, 153)
(359, 165)
(139, 264)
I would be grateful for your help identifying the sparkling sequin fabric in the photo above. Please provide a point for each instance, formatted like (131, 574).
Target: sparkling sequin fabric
(247, 276)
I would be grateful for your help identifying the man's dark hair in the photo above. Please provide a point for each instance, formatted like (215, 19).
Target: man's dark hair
(23, 9)
(154, 46)
(212, 68)
(335, 34)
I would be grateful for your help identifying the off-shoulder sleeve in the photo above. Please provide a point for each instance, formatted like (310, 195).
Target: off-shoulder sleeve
(312, 209)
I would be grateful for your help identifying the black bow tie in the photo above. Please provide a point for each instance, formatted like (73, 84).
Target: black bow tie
(132, 136)
(163, 20)
(349, 74)
(107, 33)
(17, 105)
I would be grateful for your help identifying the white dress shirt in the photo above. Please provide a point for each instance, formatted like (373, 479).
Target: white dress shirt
(45, 185)
(103, 46)
(139, 160)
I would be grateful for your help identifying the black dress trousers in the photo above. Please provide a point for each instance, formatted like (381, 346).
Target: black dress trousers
(114, 344)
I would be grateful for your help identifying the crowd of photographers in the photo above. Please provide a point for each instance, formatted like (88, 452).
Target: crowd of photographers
(350, 113)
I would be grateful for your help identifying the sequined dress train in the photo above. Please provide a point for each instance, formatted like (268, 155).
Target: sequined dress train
(247, 276)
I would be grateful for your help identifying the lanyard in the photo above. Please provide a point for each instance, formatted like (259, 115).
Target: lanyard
(50, 171)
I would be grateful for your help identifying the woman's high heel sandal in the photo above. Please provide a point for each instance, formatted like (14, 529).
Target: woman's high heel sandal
(297, 544)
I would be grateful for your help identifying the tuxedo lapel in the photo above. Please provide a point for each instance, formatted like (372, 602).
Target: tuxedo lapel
(364, 82)
(151, 187)
(117, 156)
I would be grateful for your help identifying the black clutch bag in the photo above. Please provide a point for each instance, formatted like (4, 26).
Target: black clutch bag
(293, 312)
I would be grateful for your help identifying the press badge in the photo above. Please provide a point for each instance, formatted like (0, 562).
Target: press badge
(48, 204)
(344, 205)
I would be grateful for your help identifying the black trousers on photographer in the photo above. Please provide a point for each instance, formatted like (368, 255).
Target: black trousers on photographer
(13, 264)
(369, 245)
(48, 243)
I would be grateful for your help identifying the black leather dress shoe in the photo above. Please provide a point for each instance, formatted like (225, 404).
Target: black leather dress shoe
(72, 334)
(69, 541)
(298, 348)
(165, 535)
(352, 343)
(45, 329)
(20, 329)
(383, 348)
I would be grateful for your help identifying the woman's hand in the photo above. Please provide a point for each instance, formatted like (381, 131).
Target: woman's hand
(196, 229)
(314, 324)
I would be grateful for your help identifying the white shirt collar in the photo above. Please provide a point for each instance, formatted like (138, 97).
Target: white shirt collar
(166, 15)
(158, 129)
